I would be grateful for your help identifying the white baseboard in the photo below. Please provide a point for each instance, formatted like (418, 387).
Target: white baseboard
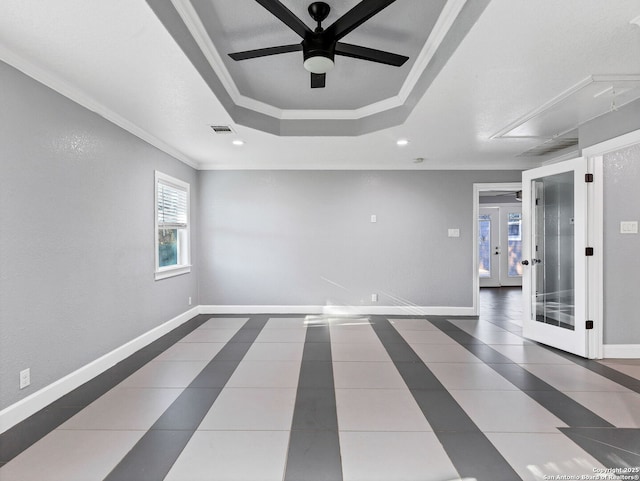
(621, 351)
(19, 411)
(340, 310)
(30, 405)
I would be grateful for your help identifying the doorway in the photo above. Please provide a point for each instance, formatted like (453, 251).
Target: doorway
(495, 195)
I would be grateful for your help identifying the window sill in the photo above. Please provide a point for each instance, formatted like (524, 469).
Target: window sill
(172, 272)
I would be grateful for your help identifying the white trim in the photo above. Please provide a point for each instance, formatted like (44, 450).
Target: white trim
(477, 188)
(595, 265)
(339, 310)
(184, 267)
(192, 21)
(621, 351)
(19, 411)
(80, 97)
(503, 134)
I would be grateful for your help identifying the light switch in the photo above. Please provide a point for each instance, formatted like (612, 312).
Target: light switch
(454, 232)
(374, 218)
(629, 227)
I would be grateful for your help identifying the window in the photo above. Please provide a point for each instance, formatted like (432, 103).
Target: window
(171, 226)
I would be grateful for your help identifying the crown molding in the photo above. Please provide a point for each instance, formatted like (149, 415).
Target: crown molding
(82, 98)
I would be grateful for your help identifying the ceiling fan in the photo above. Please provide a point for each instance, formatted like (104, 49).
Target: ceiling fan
(320, 46)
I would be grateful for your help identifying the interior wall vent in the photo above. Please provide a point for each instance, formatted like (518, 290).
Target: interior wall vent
(549, 147)
(222, 129)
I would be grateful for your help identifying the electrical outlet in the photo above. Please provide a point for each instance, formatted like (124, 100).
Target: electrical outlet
(374, 297)
(25, 378)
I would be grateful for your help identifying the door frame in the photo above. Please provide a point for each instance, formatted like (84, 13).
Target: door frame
(477, 188)
(494, 261)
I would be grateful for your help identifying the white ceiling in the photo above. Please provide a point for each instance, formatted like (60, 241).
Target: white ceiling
(524, 66)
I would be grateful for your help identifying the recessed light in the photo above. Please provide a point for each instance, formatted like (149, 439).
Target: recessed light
(238, 142)
(402, 142)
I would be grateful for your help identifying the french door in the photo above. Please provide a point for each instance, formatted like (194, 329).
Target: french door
(554, 256)
(500, 246)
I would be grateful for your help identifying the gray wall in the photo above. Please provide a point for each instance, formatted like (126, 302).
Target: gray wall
(305, 237)
(76, 236)
(621, 256)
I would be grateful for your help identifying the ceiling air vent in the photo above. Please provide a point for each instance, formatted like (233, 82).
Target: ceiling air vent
(551, 146)
(222, 129)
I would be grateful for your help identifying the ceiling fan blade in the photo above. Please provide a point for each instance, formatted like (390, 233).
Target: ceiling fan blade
(356, 17)
(371, 54)
(318, 80)
(263, 52)
(285, 15)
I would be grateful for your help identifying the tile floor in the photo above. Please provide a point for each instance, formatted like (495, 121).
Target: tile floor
(263, 398)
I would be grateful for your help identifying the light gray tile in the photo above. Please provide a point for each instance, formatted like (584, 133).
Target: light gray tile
(232, 455)
(71, 456)
(282, 335)
(359, 352)
(362, 334)
(210, 335)
(379, 410)
(379, 375)
(250, 409)
(499, 337)
(379, 456)
(224, 323)
(286, 323)
(412, 325)
(426, 337)
(530, 354)
(191, 351)
(124, 409)
(275, 351)
(474, 376)
(165, 374)
(265, 374)
(536, 455)
(473, 326)
(444, 353)
(630, 367)
(506, 411)
(571, 377)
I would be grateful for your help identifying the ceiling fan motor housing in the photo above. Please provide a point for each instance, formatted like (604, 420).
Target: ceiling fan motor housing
(318, 45)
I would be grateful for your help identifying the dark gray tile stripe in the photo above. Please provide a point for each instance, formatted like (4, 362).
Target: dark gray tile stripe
(556, 402)
(470, 451)
(610, 373)
(155, 453)
(314, 445)
(23, 435)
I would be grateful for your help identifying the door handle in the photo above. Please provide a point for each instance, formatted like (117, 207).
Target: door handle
(524, 262)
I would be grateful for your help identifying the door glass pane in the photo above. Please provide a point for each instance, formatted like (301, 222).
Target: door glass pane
(553, 251)
(484, 245)
(514, 220)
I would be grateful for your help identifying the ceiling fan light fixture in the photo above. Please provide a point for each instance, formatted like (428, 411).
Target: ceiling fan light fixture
(318, 64)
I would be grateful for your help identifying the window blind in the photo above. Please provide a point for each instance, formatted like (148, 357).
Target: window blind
(172, 206)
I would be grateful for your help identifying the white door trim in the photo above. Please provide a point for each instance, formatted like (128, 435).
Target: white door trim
(595, 155)
(477, 188)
